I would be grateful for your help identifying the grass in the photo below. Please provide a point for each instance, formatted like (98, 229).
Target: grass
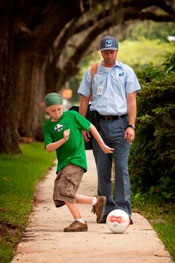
(162, 218)
(149, 52)
(18, 178)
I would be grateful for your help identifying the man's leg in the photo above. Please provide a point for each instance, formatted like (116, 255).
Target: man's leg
(122, 179)
(104, 165)
(121, 154)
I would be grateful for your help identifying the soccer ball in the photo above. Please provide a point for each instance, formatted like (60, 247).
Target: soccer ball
(118, 221)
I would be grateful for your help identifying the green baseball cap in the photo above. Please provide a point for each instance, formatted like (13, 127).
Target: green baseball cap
(53, 99)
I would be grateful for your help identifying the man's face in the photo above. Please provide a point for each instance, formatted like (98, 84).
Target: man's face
(109, 57)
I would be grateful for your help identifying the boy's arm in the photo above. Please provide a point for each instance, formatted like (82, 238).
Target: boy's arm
(97, 136)
(55, 145)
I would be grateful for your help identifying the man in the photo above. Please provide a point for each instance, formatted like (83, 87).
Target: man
(113, 90)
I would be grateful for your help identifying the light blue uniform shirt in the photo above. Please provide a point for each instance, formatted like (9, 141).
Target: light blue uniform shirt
(110, 88)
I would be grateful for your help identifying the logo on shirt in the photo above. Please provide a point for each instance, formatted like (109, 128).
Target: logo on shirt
(121, 74)
(58, 127)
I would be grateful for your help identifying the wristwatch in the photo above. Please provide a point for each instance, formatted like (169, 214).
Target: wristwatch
(132, 126)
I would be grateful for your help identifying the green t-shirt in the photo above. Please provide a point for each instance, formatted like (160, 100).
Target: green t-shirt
(73, 150)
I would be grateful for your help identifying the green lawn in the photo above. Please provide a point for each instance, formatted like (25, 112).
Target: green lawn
(162, 218)
(18, 177)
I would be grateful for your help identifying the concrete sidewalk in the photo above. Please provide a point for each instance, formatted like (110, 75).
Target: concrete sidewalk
(44, 239)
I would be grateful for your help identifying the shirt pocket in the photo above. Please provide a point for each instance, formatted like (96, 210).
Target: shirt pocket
(99, 80)
(118, 82)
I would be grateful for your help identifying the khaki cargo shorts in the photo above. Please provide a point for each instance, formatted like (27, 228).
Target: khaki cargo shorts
(66, 184)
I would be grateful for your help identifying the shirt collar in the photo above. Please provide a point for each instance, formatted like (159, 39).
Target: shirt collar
(117, 64)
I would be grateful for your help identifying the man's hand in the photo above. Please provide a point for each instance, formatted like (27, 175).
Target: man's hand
(129, 134)
(86, 135)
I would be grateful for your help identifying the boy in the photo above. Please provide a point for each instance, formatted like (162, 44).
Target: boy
(63, 133)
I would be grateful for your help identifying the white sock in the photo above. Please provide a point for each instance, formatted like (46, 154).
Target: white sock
(81, 220)
(94, 201)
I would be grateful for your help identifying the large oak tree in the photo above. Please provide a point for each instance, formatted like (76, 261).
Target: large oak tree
(35, 35)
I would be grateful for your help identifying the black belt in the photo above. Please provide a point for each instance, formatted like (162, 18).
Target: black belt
(112, 117)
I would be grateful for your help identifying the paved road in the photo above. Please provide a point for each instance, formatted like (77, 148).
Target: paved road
(44, 239)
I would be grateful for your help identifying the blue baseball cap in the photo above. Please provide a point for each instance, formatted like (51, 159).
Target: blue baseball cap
(108, 43)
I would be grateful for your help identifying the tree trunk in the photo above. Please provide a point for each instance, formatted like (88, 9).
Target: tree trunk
(8, 136)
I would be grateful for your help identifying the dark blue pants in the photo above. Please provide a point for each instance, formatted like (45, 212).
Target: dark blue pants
(112, 133)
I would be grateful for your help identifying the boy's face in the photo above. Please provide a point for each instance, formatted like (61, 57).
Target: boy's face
(55, 111)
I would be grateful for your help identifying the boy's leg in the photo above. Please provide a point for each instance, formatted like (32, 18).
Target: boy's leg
(83, 199)
(73, 208)
(98, 204)
(77, 225)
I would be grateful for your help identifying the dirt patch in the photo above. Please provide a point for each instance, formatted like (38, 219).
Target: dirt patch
(7, 229)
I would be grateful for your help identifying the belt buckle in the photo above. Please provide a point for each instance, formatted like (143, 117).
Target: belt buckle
(109, 118)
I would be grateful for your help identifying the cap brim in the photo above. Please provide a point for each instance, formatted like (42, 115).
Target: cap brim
(109, 48)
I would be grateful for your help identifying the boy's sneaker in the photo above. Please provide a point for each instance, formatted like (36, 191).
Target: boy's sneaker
(76, 226)
(99, 208)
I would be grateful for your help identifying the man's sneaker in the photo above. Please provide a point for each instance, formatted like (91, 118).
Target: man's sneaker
(99, 208)
(131, 221)
(76, 226)
(103, 220)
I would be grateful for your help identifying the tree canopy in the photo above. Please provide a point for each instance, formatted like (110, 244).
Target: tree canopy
(42, 45)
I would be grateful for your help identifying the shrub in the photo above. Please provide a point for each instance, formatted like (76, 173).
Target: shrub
(152, 158)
